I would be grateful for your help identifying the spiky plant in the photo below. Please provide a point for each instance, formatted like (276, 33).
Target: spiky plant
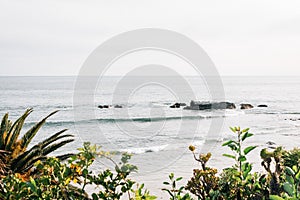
(14, 155)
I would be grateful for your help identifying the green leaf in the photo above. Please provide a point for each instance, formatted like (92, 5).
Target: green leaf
(290, 179)
(248, 149)
(178, 179)
(275, 197)
(94, 196)
(246, 135)
(166, 183)
(297, 176)
(242, 159)
(228, 142)
(233, 147)
(295, 168)
(245, 130)
(232, 129)
(170, 193)
(171, 176)
(246, 167)
(289, 171)
(288, 188)
(229, 156)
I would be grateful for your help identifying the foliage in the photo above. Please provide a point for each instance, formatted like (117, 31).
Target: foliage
(237, 181)
(30, 174)
(140, 193)
(286, 174)
(14, 155)
(68, 180)
(116, 184)
(174, 192)
(204, 183)
(273, 175)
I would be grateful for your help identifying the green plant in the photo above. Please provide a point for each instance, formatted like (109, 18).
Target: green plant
(115, 184)
(174, 192)
(16, 157)
(237, 181)
(204, 183)
(55, 179)
(140, 194)
(275, 174)
(287, 172)
(291, 163)
(52, 182)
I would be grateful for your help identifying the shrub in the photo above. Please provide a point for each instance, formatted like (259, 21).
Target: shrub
(68, 180)
(14, 155)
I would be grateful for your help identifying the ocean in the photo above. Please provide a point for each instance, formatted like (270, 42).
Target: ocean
(144, 124)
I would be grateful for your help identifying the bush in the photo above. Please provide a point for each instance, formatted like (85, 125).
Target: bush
(67, 180)
(67, 176)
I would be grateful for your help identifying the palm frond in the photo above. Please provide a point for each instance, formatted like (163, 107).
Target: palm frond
(15, 130)
(13, 154)
(54, 138)
(3, 129)
(65, 156)
(55, 146)
(18, 164)
(30, 164)
(28, 136)
(3, 165)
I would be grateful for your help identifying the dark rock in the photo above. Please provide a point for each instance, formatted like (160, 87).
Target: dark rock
(246, 106)
(177, 105)
(103, 106)
(262, 106)
(270, 143)
(195, 105)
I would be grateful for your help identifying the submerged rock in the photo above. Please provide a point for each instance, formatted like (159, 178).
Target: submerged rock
(246, 106)
(197, 105)
(270, 143)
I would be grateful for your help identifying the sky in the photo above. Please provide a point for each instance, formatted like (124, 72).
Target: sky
(48, 37)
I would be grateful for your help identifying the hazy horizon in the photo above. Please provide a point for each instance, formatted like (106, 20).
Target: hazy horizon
(242, 38)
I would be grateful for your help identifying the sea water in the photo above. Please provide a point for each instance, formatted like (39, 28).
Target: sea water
(158, 136)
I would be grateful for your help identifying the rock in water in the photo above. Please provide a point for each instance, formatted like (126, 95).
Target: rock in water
(196, 105)
(246, 106)
(262, 106)
(177, 105)
(103, 106)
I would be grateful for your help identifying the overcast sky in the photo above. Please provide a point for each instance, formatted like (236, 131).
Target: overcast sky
(242, 37)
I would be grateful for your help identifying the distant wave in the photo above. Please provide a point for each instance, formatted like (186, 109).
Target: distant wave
(35, 107)
(291, 113)
(121, 120)
(144, 149)
(150, 119)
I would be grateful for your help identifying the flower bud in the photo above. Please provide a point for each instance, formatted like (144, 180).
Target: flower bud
(192, 148)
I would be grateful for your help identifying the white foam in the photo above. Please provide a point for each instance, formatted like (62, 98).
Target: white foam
(145, 149)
